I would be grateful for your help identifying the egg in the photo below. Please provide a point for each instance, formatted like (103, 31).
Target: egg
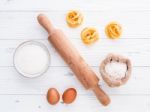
(53, 96)
(69, 95)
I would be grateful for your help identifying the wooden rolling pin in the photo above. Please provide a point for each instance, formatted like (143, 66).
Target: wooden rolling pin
(72, 57)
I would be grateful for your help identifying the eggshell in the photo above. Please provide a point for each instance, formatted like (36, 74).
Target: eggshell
(53, 96)
(69, 95)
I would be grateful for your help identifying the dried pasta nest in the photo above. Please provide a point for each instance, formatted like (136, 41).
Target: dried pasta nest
(89, 35)
(74, 18)
(111, 79)
(113, 30)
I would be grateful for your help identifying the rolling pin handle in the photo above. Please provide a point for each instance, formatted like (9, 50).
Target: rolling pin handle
(101, 95)
(45, 22)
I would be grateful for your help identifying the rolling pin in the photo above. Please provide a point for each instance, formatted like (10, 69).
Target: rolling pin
(74, 60)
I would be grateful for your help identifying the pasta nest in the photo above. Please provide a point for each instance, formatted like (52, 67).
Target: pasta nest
(113, 30)
(74, 18)
(89, 35)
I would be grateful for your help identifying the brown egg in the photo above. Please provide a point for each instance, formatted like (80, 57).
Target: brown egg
(53, 96)
(69, 95)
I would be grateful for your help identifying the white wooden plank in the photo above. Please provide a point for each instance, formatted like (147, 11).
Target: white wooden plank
(24, 25)
(138, 50)
(32, 103)
(65, 5)
(12, 82)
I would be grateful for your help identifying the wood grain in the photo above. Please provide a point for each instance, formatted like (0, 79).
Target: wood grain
(18, 24)
(93, 5)
(38, 103)
(74, 60)
(138, 50)
(134, 23)
(137, 85)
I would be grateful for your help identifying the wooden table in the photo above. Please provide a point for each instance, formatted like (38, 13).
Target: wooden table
(18, 24)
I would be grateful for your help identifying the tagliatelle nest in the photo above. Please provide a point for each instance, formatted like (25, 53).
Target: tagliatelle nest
(74, 18)
(113, 30)
(111, 79)
(89, 35)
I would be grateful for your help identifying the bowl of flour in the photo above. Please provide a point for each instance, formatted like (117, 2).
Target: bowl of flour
(31, 59)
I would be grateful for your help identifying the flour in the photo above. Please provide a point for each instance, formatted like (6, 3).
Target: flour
(116, 70)
(31, 59)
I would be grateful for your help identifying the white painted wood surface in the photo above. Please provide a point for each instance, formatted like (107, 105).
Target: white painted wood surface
(18, 23)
